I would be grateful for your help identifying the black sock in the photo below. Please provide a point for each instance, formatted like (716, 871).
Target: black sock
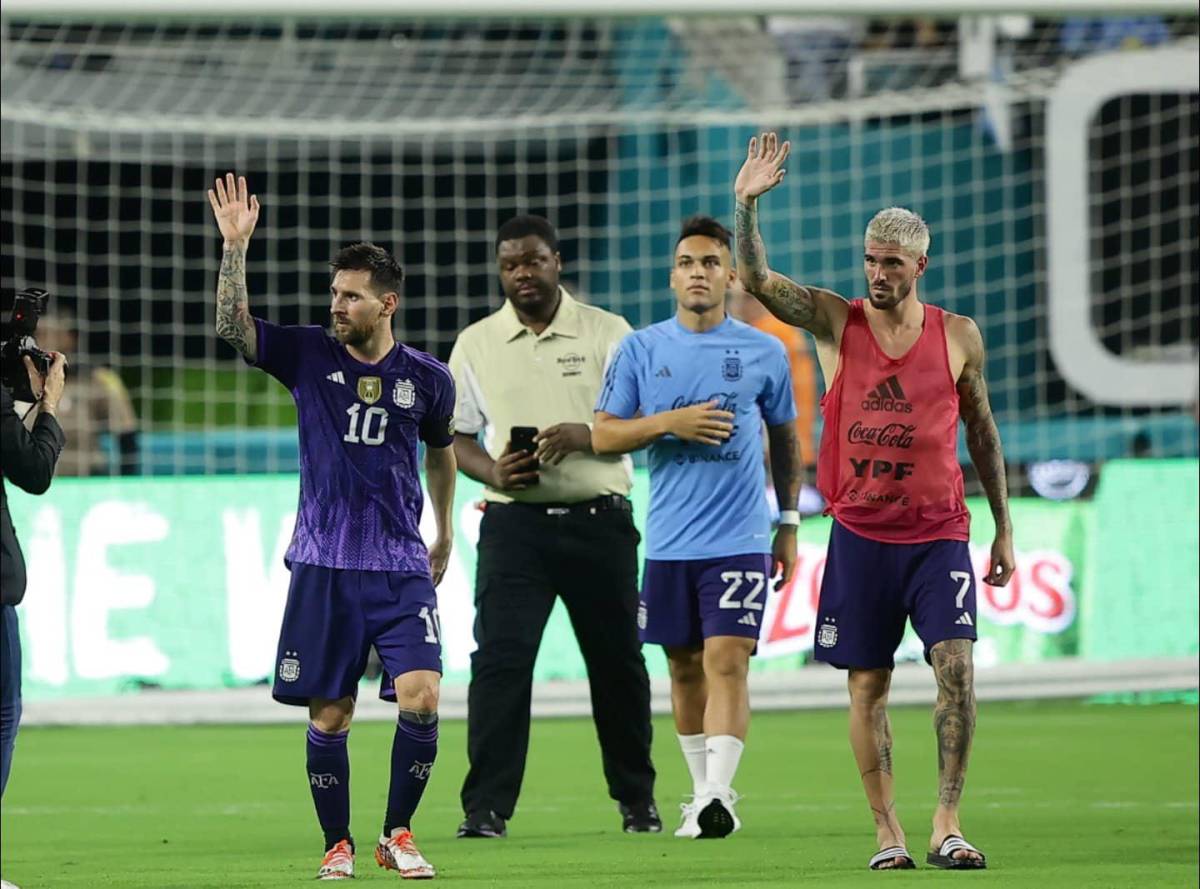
(329, 781)
(414, 749)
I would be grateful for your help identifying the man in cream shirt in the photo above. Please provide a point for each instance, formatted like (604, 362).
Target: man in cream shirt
(557, 523)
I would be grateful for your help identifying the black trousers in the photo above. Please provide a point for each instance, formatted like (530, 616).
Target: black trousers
(526, 559)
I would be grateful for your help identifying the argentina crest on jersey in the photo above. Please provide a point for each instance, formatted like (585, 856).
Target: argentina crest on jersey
(404, 393)
(731, 367)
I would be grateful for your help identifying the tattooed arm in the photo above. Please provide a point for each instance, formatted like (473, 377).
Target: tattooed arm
(236, 213)
(983, 443)
(783, 448)
(234, 324)
(784, 451)
(821, 312)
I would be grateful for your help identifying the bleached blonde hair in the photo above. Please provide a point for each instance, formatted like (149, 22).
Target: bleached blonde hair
(896, 225)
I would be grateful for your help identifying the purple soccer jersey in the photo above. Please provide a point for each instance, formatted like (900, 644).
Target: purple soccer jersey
(360, 491)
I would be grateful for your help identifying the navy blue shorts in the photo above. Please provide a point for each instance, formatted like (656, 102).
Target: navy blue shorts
(870, 588)
(685, 602)
(334, 616)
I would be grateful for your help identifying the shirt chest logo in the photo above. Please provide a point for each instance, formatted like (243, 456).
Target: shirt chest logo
(731, 366)
(404, 393)
(571, 365)
(888, 396)
(369, 389)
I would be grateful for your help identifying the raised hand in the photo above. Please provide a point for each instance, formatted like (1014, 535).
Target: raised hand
(763, 169)
(701, 423)
(235, 210)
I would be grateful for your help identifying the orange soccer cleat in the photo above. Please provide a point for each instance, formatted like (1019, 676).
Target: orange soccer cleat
(399, 853)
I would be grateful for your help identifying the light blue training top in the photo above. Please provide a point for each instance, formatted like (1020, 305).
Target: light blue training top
(706, 501)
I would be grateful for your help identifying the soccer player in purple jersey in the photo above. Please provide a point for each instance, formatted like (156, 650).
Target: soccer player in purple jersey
(361, 574)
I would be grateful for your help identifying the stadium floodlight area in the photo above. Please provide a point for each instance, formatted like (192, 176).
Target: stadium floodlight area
(1053, 148)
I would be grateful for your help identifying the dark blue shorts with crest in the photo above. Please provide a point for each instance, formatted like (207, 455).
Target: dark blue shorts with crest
(334, 616)
(685, 602)
(871, 588)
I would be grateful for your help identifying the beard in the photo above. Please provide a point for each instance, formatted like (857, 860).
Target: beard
(351, 335)
(892, 298)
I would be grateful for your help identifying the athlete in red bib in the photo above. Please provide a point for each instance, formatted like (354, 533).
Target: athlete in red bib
(899, 375)
(888, 464)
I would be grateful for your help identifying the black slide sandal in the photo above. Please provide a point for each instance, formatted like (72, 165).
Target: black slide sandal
(892, 852)
(944, 856)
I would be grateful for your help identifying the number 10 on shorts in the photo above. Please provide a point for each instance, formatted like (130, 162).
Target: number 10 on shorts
(433, 624)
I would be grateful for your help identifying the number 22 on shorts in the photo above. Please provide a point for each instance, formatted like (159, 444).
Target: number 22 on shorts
(735, 581)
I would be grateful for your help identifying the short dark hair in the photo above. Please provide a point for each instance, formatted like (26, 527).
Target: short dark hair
(707, 227)
(523, 227)
(386, 274)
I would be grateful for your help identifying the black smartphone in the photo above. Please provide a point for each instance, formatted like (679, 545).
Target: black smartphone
(521, 438)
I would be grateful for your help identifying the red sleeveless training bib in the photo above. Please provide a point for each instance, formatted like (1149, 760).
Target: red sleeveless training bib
(888, 463)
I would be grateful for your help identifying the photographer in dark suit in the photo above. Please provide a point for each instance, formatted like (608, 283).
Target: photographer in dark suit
(28, 460)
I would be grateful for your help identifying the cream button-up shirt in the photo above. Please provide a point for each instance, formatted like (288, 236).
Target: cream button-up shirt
(506, 375)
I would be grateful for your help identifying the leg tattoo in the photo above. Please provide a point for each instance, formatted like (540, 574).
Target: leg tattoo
(882, 729)
(954, 716)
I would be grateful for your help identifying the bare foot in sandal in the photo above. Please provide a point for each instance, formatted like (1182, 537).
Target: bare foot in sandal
(955, 853)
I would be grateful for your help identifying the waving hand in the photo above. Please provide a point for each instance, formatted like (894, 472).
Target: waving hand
(763, 168)
(236, 211)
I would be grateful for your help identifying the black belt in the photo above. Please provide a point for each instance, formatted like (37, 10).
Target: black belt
(606, 503)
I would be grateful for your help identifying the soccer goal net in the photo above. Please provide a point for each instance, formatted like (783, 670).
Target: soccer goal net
(1054, 154)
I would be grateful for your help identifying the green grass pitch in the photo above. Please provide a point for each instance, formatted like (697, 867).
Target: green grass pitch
(1058, 794)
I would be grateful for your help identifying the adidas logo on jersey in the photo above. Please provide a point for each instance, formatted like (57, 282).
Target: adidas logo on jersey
(663, 372)
(965, 620)
(747, 620)
(336, 377)
(887, 396)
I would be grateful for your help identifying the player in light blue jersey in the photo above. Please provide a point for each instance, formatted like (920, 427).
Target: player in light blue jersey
(361, 573)
(696, 390)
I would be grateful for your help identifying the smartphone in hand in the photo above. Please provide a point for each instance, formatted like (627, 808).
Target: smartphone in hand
(521, 438)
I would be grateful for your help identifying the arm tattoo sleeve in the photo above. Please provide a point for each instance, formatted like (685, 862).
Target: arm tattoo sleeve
(233, 310)
(786, 472)
(751, 253)
(983, 443)
(786, 300)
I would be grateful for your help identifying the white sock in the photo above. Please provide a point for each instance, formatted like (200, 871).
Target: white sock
(722, 754)
(695, 754)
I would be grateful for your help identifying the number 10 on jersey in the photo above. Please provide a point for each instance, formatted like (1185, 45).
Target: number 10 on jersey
(374, 425)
